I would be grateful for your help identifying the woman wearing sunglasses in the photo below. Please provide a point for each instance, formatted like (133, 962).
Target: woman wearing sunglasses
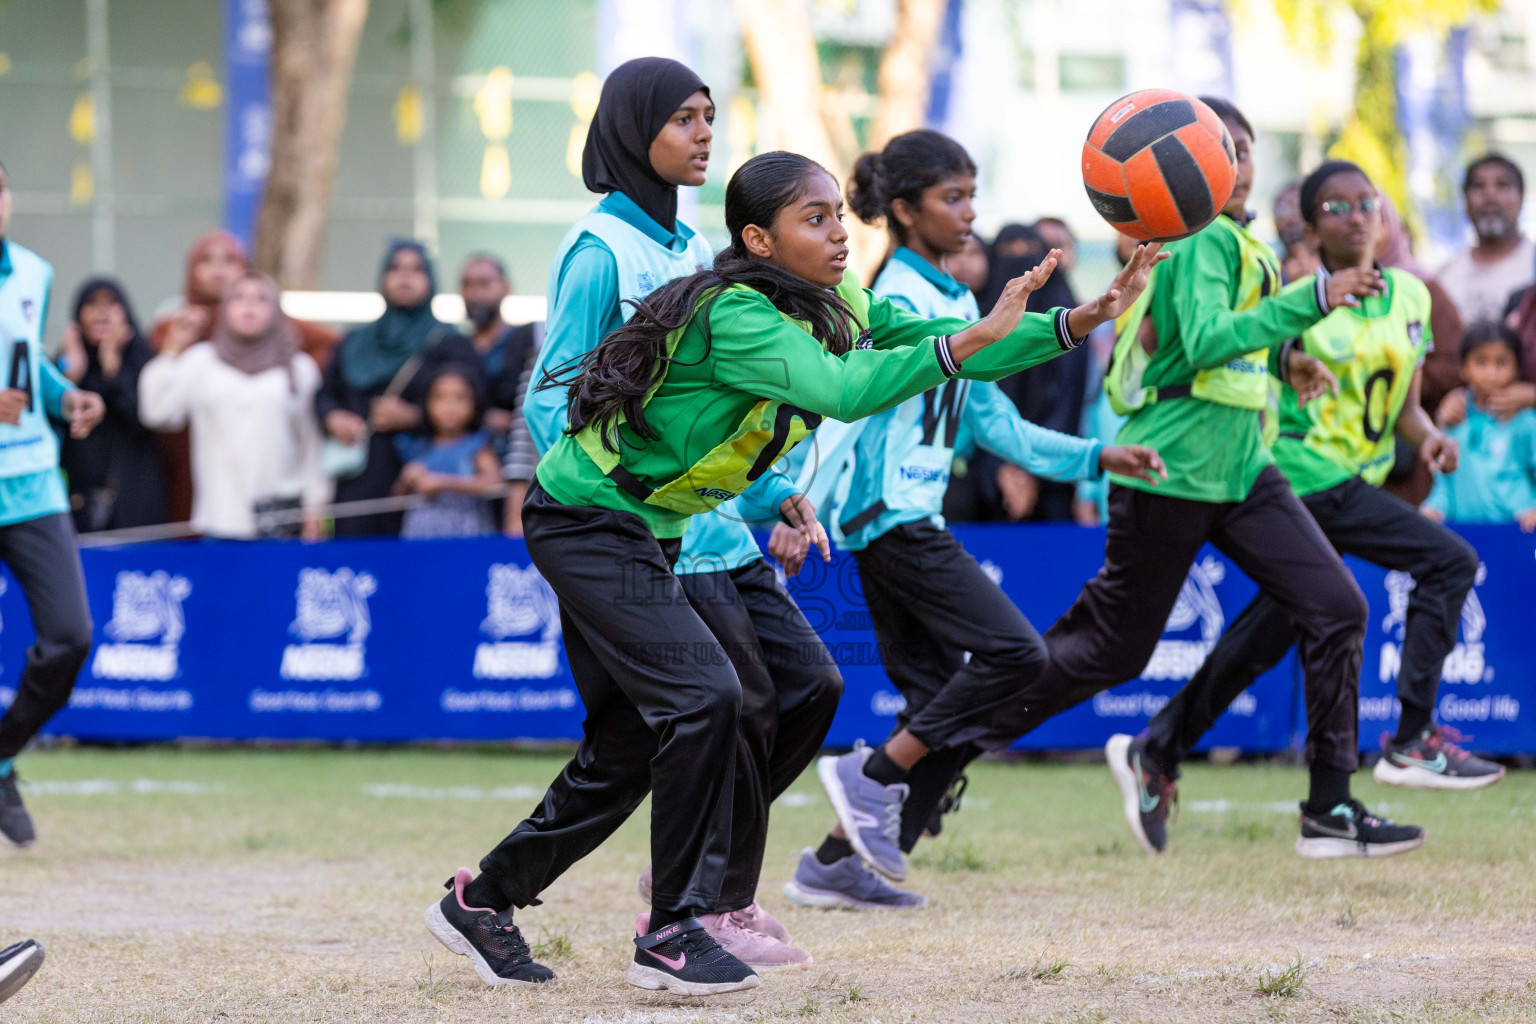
(1336, 450)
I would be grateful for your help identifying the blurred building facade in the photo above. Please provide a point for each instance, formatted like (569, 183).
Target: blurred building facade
(127, 124)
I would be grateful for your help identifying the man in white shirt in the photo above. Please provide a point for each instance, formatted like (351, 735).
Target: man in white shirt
(1481, 279)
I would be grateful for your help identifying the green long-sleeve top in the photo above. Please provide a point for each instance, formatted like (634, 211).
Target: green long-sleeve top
(754, 353)
(1213, 452)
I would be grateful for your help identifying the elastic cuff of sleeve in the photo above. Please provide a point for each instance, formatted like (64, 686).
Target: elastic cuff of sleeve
(1286, 347)
(946, 357)
(1322, 294)
(1098, 466)
(1064, 333)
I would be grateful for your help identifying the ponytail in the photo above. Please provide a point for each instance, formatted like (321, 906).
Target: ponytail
(909, 163)
(613, 380)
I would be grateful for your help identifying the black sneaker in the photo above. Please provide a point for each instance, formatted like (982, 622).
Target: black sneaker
(15, 822)
(1432, 760)
(493, 945)
(17, 965)
(1349, 830)
(1146, 794)
(684, 960)
(948, 805)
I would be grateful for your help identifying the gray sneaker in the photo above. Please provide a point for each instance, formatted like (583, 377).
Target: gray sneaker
(15, 822)
(847, 883)
(869, 812)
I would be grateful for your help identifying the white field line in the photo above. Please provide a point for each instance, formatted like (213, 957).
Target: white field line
(116, 787)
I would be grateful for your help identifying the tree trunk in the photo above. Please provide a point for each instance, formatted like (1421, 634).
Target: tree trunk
(905, 75)
(314, 49)
(782, 50)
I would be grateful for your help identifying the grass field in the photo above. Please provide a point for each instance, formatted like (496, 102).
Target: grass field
(236, 886)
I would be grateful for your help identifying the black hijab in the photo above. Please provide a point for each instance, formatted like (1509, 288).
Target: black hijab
(373, 354)
(1001, 269)
(637, 101)
(95, 286)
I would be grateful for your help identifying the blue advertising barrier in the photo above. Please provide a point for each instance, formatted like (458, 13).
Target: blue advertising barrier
(460, 640)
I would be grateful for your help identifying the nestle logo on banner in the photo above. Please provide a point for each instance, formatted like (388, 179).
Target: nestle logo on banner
(332, 622)
(145, 631)
(1177, 658)
(1466, 665)
(518, 603)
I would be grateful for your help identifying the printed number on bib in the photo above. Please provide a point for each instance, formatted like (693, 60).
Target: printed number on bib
(1381, 378)
(20, 377)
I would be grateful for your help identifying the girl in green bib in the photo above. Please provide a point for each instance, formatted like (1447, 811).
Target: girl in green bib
(1336, 452)
(714, 377)
(1217, 312)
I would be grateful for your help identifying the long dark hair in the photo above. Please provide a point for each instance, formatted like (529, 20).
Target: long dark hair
(909, 163)
(613, 379)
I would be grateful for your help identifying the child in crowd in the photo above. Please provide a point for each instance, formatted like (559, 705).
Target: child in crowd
(1497, 478)
(450, 462)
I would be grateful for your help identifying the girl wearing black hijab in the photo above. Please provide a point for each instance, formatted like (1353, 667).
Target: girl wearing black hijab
(374, 386)
(651, 134)
(1050, 395)
(114, 474)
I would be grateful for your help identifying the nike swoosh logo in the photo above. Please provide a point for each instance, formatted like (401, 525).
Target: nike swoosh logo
(1147, 800)
(1339, 833)
(676, 965)
(1437, 765)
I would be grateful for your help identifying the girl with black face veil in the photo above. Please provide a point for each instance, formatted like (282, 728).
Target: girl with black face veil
(1050, 395)
(651, 133)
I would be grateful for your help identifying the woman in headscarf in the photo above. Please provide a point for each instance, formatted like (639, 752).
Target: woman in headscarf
(114, 474)
(374, 386)
(247, 398)
(213, 263)
(1050, 395)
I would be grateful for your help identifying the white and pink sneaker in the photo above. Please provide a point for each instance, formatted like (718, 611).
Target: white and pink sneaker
(753, 948)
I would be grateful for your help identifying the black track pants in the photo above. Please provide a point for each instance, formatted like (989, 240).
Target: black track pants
(930, 604)
(1358, 520)
(1108, 635)
(42, 556)
(663, 712)
(790, 687)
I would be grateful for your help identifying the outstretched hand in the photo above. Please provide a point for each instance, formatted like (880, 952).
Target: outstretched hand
(1127, 286)
(1009, 310)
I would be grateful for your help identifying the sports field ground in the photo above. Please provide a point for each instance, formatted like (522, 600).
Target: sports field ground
(288, 885)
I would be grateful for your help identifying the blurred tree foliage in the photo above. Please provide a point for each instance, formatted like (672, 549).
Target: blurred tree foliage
(1370, 137)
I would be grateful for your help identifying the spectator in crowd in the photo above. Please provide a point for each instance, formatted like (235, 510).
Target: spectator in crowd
(248, 398)
(507, 355)
(450, 462)
(1058, 235)
(114, 474)
(1299, 257)
(1051, 394)
(1496, 479)
(374, 385)
(213, 263)
(1481, 279)
(1411, 478)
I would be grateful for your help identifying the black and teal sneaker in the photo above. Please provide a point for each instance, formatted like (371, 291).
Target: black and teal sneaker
(1433, 760)
(1147, 794)
(1349, 830)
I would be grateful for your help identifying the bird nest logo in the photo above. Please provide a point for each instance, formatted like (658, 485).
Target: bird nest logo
(332, 624)
(146, 628)
(1466, 663)
(518, 604)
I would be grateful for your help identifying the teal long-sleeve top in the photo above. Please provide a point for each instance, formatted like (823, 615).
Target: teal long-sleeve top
(34, 495)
